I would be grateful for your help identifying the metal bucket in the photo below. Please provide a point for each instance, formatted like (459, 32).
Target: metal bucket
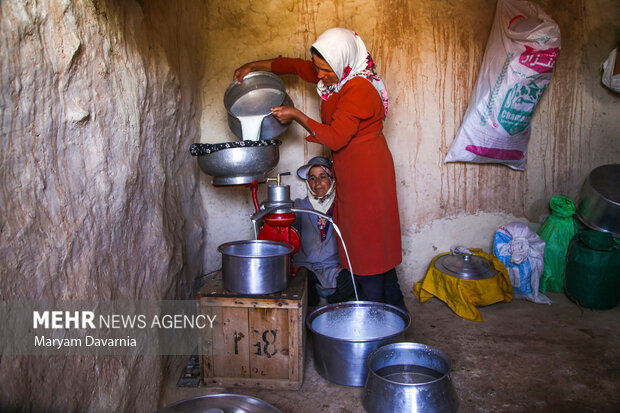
(255, 266)
(256, 95)
(343, 335)
(409, 377)
(598, 206)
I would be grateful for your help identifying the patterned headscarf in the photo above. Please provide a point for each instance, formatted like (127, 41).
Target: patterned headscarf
(346, 54)
(325, 202)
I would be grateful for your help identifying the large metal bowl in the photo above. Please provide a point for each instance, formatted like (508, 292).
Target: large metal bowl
(240, 165)
(407, 378)
(255, 267)
(343, 335)
(256, 95)
(598, 206)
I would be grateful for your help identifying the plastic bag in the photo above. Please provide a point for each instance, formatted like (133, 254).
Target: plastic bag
(522, 252)
(609, 79)
(557, 231)
(518, 61)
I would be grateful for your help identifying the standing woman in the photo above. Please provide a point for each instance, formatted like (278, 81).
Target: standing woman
(354, 106)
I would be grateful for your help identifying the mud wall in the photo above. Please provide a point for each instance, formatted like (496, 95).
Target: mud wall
(429, 55)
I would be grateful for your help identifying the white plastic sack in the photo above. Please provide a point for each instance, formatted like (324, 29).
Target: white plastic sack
(518, 61)
(522, 252)
(609, 79)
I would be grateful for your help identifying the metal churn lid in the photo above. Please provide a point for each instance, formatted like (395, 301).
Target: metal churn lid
(462, 263)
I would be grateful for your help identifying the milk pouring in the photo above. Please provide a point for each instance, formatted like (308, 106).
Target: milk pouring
(250, 126)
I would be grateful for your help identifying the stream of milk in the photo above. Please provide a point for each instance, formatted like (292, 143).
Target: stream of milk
(250, 126)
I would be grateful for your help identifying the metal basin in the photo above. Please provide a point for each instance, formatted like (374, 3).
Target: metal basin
(239, 165)
(256, 95)
(409, 377)
(598, 205)
(343, 335)
(221, 403)
(255, 266)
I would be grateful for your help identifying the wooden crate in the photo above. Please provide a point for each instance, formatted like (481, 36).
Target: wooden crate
(256, 341)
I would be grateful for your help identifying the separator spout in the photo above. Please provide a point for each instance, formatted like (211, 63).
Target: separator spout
(283, 209)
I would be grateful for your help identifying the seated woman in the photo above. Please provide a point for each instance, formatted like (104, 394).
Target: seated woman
(318, 252)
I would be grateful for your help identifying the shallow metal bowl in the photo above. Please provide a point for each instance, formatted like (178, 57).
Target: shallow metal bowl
(221, 403)
(343, 335)
(240, 165)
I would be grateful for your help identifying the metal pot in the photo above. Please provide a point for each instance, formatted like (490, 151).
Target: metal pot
(343, 335)
(409, 377)
(256, 95)
(255, 266)
(598, 206)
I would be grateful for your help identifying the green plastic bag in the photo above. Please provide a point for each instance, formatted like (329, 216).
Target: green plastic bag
(593, 270)
(557, 231)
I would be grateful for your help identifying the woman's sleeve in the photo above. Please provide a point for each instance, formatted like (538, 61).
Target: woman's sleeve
(357, 102)
(288, 66)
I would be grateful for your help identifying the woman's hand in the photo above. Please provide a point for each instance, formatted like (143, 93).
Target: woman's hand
(240, 73)
(287, 114)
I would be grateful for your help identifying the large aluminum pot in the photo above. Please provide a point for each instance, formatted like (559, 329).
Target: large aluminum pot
(238, 165)
(598, 205)
(256, 95)
(409, 377)
(343, 335)
(255, 266)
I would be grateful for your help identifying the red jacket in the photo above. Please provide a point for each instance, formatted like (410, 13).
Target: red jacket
(366, 208)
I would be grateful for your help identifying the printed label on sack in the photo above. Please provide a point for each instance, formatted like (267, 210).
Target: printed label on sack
(520, 101)
(540, 61)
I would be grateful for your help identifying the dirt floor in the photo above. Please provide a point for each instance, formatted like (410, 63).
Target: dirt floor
(524, 357)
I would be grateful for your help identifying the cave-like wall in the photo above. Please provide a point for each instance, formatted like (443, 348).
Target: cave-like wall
(98, 105)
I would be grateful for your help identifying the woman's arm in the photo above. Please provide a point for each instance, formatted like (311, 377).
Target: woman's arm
(286, 114)
(280, 66)
(358, 101)
(259, 65)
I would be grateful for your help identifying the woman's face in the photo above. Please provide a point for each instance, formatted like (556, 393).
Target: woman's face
(319, 181)
(324, 71)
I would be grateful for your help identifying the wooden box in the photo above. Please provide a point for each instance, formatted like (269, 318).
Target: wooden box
(256, 341)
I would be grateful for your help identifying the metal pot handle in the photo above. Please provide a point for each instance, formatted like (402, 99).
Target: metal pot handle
(459, 250)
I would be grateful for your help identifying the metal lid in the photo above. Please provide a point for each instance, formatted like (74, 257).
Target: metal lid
(461, 263)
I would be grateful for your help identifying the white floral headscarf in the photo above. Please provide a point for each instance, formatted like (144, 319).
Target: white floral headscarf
(348, 57)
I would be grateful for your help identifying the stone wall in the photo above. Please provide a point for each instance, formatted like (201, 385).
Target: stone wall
(99, 103)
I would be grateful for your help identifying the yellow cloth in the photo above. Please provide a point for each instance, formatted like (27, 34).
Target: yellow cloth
(461, 295)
